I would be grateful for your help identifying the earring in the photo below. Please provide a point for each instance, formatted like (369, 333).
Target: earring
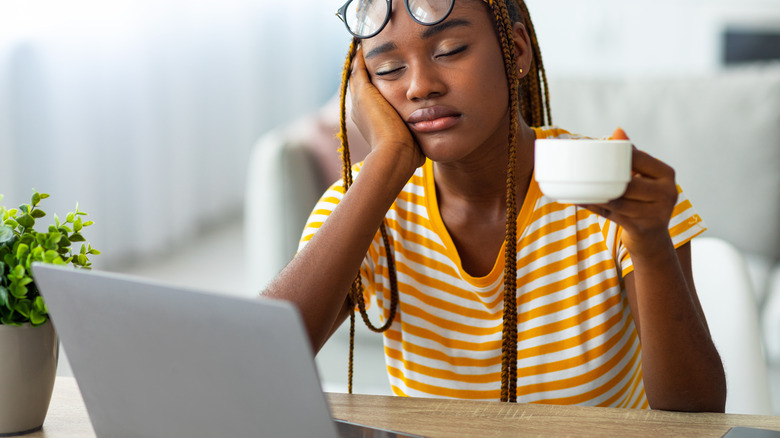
(521, 70)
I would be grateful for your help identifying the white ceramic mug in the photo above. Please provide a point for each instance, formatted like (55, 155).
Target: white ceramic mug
(582, 171)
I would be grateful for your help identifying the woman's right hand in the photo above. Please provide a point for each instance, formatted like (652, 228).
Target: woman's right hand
(377, 120)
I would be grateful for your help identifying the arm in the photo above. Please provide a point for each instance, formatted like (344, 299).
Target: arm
(681, 367)
(319, 277)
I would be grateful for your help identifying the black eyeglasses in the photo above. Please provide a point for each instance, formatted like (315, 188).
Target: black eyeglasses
(366, 18)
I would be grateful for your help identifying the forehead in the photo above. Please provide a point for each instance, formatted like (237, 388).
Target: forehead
(401, 24)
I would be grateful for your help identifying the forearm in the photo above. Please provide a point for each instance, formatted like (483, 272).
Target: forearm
(681, 367)
(318, 278)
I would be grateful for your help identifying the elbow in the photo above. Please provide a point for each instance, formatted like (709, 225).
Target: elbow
(710, 396)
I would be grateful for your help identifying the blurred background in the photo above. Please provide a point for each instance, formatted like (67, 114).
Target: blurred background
(145, 112)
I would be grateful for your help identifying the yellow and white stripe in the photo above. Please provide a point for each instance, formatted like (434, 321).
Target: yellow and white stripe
(577, 339)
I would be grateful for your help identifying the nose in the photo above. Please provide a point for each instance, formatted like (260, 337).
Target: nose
(425, 82)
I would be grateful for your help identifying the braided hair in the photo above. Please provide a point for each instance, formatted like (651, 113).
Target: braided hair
(529, 96)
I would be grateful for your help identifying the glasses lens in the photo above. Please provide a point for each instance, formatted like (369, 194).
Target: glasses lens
(429, 11)
(365, 17)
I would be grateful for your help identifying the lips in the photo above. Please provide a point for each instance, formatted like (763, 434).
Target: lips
(434, 118)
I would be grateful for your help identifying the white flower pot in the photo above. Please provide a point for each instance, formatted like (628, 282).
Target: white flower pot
(28, 366)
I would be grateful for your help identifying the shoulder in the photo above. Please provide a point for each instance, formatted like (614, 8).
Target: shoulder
(555, 132)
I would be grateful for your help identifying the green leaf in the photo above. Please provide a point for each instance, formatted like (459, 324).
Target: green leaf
(56, 220)
(26, 220)
(25, 281)
(50, 256)
(11, 223)
(6, 234)
(23, 307)
(83, 260)
(36, 199)
(37, 253)
(77, 225)
(88, 223)
(54, 238)
(64, 242)
(18, 291)
(44, 195)
(8, 319)
(69, 218)
(25, 208)
(37, 213)
(21, 250)
(76, 237)
(3, 296)
(94, 252)
(37, 318)
(39, 305)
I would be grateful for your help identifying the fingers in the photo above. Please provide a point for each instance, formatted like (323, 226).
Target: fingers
(619, 134)
(648, 166)
(359, 73)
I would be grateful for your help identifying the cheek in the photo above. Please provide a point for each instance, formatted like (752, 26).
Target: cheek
(491, 89)
(393, 92)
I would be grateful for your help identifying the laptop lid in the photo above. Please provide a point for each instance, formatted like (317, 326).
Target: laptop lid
(155, 360)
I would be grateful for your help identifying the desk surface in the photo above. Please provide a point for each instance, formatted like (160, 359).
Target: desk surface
(67, 417)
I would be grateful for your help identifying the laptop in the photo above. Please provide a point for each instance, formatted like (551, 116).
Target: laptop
(156, 360)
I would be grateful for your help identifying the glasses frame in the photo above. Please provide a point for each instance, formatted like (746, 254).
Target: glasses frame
(342, 14)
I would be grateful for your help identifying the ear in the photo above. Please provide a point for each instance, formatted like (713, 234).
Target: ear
(523, 51)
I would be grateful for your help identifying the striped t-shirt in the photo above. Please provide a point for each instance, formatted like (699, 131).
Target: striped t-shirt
(577, 343)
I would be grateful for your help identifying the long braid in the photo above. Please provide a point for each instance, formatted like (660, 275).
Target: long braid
(345, 159)
(509, 336)
(347, 181)
(535, 109)
(531, 99)
(355, 295)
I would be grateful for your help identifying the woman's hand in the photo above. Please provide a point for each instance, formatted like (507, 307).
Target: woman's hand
(378, 122)
(645, 209)
(680, 365)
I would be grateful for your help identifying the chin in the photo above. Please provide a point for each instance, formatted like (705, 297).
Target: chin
(444, 151)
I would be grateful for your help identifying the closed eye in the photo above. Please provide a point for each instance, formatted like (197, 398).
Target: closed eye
(453, 52)
(387, 72)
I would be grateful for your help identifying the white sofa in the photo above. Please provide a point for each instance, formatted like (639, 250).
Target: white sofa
(721, 133)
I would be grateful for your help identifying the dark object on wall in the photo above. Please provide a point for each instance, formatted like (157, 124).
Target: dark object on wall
(749, 45)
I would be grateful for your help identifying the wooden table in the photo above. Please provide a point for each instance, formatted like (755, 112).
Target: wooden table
(433, 418)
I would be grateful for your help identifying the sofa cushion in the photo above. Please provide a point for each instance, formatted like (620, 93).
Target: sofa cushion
(720, 132)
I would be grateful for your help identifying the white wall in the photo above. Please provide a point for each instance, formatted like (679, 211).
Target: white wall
(145, 111)
(630, 37)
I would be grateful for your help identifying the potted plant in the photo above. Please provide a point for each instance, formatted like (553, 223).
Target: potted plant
(28, 343)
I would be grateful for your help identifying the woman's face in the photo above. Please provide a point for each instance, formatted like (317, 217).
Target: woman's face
(447, 81)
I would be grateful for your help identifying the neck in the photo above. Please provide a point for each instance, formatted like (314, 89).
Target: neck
(480, 184)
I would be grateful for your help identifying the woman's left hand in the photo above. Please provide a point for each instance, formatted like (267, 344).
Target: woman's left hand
(645, 209)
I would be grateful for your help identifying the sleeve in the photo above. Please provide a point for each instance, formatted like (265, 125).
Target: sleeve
(684, 225)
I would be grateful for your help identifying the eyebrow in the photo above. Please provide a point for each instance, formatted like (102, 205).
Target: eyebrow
(431, 31)
(441, 27)
(384, 48)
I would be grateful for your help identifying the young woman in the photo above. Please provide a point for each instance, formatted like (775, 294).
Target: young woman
(488, 289)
